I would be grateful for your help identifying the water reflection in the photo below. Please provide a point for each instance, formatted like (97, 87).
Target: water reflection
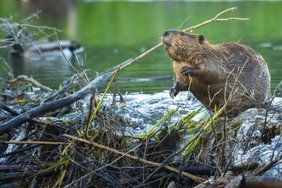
(55, 12)
(46, 72)
(113, 32)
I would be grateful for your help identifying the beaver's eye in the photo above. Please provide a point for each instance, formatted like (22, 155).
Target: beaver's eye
(201, 39)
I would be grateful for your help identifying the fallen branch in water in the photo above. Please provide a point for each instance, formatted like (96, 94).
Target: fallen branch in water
(170, 168)
(51, 106)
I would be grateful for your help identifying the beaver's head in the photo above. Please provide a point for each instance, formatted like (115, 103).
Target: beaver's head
(182, 46)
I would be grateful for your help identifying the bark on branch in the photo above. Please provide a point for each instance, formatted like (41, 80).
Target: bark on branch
(51, 106)
(170, 168)
(54, 105)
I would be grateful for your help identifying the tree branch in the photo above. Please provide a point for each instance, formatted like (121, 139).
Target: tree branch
(51, 106)
(170, 168)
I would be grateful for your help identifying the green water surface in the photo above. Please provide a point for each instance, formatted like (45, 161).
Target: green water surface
(115, 31)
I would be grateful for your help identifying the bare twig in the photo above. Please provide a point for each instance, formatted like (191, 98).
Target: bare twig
(93, 115)
(23, 31)
(33, 142)
(54, 105)
(269, 165)
(190, 29)
(31, 80)
(170, 168)
(70, 64)
(96, 170)
(216, 19)
(44, 108)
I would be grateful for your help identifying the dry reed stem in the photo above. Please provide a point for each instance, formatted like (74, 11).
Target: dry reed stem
(190, 29)
(201, 184)
(216, 19)
(96, 170)
(31, 80)
(33, 142)
(80, 75)
(93, 115)
(7, 26)
(170, 168)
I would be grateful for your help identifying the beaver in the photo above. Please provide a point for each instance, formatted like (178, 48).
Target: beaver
(230, 74)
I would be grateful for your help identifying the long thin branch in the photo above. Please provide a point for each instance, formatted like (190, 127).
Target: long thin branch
(170, 168)
(31, 80)
(190, 29)
(33, 142)
(100, 168)
(54, 105)
(48, 107)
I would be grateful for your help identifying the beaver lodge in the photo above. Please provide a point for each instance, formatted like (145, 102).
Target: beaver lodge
(76, 136)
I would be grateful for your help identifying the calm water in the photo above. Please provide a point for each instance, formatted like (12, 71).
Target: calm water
(114, 31)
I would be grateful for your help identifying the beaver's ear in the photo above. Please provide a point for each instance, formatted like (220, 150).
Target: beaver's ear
(201, 39)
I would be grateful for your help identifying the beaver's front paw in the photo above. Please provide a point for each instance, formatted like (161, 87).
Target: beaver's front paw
(189, 70)
(172, 92)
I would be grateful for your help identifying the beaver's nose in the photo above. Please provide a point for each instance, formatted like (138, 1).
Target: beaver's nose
(166, 33)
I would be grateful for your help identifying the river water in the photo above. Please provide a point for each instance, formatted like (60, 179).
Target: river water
(112, 32)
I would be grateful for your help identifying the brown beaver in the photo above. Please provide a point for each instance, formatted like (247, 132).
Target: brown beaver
(231, 73)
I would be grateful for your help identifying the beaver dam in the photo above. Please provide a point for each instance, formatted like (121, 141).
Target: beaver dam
(88, 134)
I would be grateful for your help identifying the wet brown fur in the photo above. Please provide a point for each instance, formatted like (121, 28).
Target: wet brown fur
(231, 74)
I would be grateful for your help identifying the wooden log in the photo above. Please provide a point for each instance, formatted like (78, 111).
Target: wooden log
(54, 105)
